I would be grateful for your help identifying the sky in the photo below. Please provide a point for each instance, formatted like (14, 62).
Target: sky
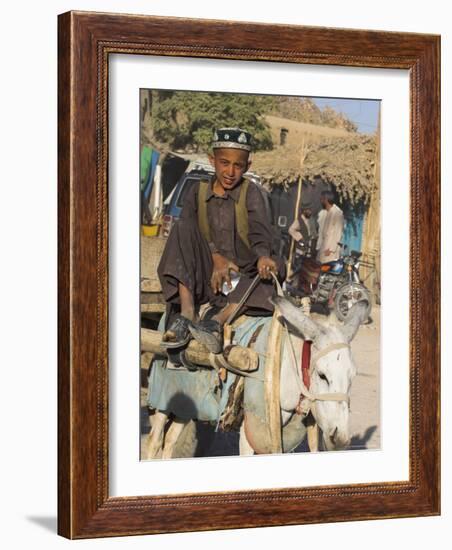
(363, 112)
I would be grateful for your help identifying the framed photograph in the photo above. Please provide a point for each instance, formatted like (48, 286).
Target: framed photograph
(248, 275)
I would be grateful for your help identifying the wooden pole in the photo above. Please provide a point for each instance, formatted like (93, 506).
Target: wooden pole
(292, 242)
(241, 358)
(370, 266)
(312, 430)
(303, 153)
(272, 373)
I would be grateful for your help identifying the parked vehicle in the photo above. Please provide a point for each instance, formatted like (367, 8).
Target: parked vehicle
(333, 284)
(175, 201)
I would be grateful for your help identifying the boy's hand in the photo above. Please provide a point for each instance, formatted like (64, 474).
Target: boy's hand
(221, 272)
(266, 266)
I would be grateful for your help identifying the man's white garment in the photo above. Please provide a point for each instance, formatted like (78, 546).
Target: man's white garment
(331, 228)
(320, 221)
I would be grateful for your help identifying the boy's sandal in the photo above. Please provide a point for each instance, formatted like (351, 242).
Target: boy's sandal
(208, 332)
(178, 334)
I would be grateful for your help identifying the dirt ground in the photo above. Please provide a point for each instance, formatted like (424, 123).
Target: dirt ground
(365, 394)
(365, 400)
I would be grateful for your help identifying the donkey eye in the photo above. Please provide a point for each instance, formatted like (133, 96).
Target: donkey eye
(323, 377)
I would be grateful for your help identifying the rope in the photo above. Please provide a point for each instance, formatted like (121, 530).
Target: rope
(279, 289)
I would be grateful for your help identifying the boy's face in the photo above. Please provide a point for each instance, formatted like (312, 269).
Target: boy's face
(230, 165)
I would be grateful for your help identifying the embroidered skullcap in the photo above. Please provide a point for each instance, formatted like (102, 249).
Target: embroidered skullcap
(233, 138)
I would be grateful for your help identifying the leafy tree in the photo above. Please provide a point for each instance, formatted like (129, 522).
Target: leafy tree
(186, 120)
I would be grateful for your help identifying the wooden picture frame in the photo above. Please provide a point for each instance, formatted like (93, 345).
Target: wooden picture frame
(85, 42)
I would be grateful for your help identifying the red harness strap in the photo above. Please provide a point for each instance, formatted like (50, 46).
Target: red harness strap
(306, 363)
(305, 372)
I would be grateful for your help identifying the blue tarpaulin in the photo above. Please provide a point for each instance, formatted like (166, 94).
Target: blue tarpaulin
(353, 232)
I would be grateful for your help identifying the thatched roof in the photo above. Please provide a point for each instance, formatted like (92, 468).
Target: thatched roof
(347, 162)
(334, 155)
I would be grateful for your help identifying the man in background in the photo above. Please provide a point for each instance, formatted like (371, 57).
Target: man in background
(331, 227)
(304, 231)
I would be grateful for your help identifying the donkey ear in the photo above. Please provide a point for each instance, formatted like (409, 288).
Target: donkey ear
(298, 321)
(356, 316)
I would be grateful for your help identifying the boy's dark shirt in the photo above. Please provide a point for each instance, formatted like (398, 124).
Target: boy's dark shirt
(221, 217)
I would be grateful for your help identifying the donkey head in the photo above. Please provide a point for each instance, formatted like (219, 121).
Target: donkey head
(333, 371)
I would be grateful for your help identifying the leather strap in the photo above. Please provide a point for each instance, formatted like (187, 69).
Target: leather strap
(203, 220)
(306, 363)
(329, 349)
(240, 209)
(241, 213)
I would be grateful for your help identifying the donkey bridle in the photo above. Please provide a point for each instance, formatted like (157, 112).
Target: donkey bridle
(307, 398)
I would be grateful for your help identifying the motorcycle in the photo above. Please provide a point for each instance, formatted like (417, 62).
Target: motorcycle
(334, 284)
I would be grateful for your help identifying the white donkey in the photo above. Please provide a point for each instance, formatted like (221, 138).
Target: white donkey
(327, 400)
